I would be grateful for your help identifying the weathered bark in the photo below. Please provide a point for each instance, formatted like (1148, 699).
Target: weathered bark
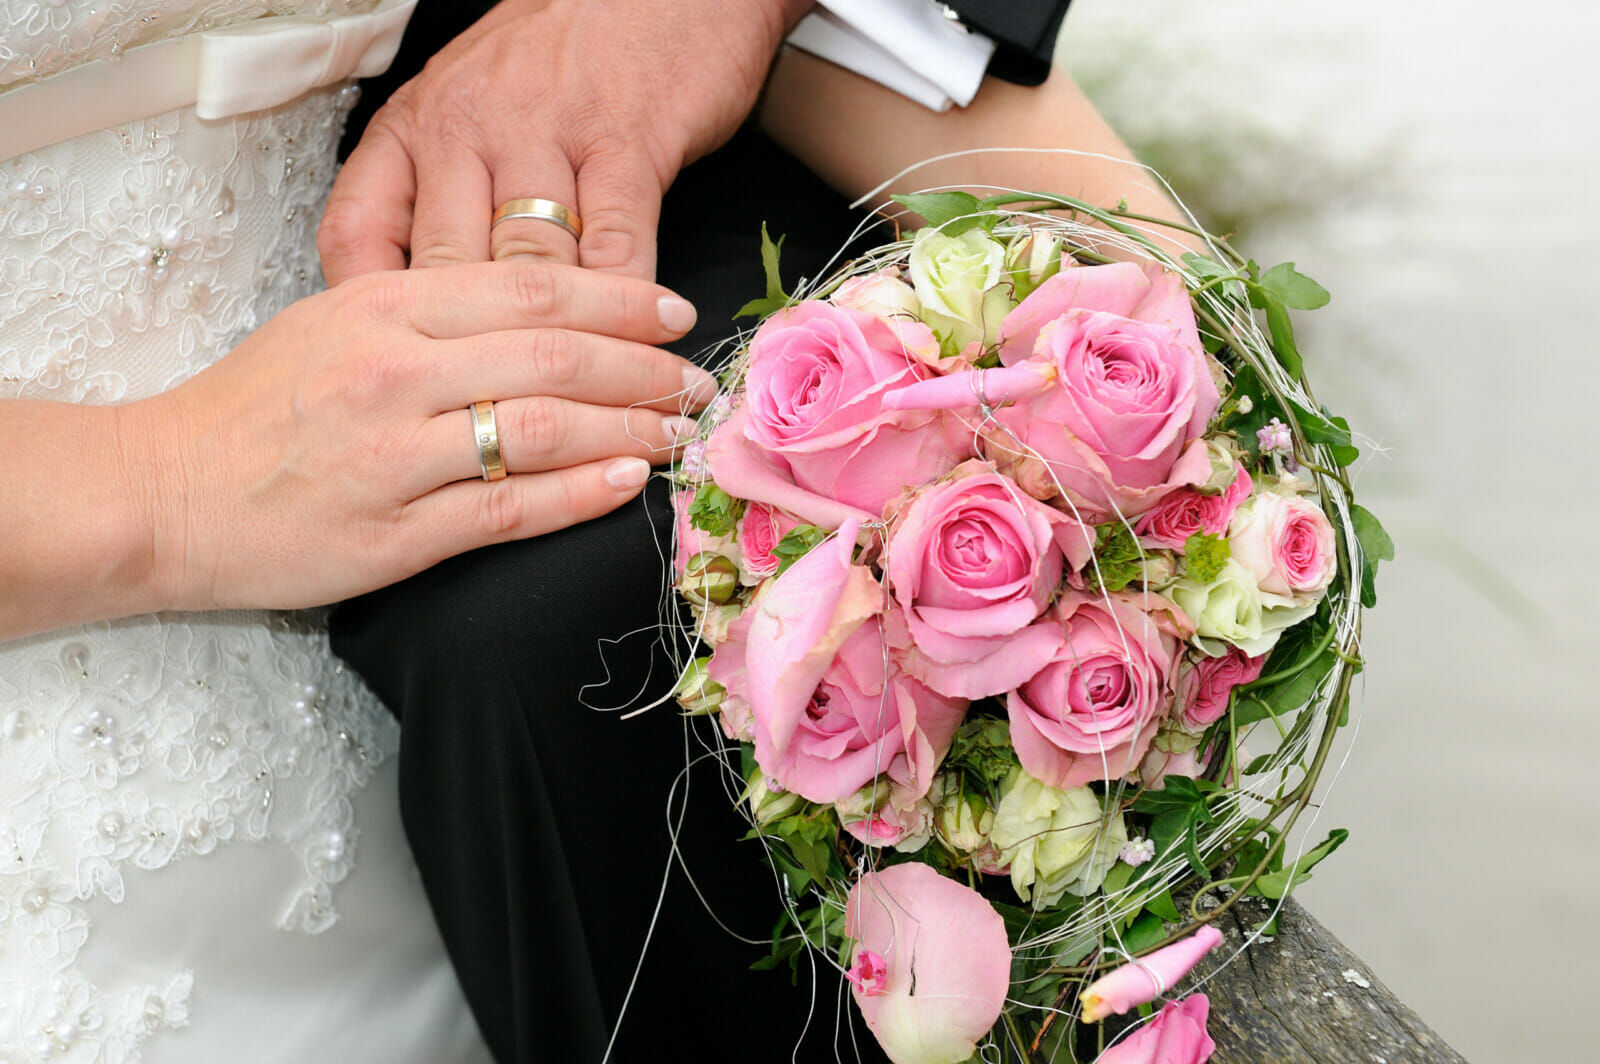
(1303, 998)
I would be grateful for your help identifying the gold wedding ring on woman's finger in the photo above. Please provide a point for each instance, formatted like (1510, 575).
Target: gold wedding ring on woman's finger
(487, 435)
(541, 209)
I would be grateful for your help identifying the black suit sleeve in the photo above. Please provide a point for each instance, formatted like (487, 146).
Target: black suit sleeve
(1024, 33)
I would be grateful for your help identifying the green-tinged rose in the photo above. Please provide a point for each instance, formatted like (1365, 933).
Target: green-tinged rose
(1056, 841)
(710, 578)
(961, 820)
(697, 692)
(962, 285)
(1229, 611)
(1032, 258)
(770, 803)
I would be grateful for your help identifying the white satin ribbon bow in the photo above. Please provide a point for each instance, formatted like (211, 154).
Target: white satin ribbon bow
(250, 66)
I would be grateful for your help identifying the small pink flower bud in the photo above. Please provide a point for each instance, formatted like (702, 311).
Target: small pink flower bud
(869, 974)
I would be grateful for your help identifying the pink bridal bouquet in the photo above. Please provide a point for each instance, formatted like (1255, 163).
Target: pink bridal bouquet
(1000, 546)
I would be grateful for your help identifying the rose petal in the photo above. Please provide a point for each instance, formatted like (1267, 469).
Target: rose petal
(948, 963)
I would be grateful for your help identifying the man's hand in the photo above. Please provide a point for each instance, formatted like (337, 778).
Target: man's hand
(596, 105)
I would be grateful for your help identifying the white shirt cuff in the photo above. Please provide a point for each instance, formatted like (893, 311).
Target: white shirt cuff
(906, 45)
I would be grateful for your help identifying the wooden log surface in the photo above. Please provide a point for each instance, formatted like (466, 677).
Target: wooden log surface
(1303, 998)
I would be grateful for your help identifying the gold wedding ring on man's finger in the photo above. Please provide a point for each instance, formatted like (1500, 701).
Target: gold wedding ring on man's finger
(541, 209)
(487, 436)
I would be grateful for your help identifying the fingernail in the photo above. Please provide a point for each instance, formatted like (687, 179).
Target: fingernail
(679, 429)
(627, 474)
(699, 386)
(677, 314)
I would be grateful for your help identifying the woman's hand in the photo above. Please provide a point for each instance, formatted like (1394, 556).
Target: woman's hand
(332, 452)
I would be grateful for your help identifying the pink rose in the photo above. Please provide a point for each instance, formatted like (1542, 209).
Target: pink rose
(1121, 428)
(1205, 684)
(1146, 978)
(795, 630)
(947, 963)
(864, 719)
(1175, 1035)
(1287, 543)
(1185, 512)
(973, 561)
(813, 436)
(1090, 713)
(760, 530)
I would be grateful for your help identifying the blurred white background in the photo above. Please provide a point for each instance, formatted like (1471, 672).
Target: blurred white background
(1433, 166)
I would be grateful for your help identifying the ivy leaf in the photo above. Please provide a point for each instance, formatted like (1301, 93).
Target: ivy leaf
(1176, 812)
(1293, 289)
(950, 212)
(795, 544)
(1280, 883)
(713, 511)
(775, 299)
(1205, 556)
(1146, 931)
(1376, 546)
(1118, 558)
(1204, 268)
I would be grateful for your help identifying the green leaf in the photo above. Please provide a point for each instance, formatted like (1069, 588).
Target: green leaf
(1281, 699)
(775, 299)
(1147, 930)
(1376, 546)
(1205, 555)
(1276, 292)
(1176, 811)
(1204, 268)
(1292, 288)
(1163, 906)
(1117, 878)
(1279, 883)
(942, 208)
(795, 544)
(713, 511)
(1119, 561)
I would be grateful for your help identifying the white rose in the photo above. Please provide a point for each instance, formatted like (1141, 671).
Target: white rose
(958, 280)
(1056, 841)
(1231, 610)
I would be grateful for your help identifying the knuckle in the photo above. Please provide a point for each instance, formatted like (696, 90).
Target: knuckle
(540, 424)
(501, 514)
(556, 358)
(376, 297)
(345, 222)
(536, 290)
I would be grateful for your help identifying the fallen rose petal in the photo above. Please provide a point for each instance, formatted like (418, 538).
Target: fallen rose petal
(1177, 1035)
(948, 963)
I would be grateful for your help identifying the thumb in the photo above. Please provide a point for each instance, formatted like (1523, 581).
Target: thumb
(619, 196)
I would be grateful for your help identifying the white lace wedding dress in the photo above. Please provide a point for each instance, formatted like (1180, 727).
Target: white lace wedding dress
(200, 850)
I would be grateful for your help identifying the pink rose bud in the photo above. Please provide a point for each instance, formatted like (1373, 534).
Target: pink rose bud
(869, 974)
(1177, 1035)
(1144, 979)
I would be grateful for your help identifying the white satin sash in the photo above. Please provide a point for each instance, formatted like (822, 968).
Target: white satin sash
(223, 72)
